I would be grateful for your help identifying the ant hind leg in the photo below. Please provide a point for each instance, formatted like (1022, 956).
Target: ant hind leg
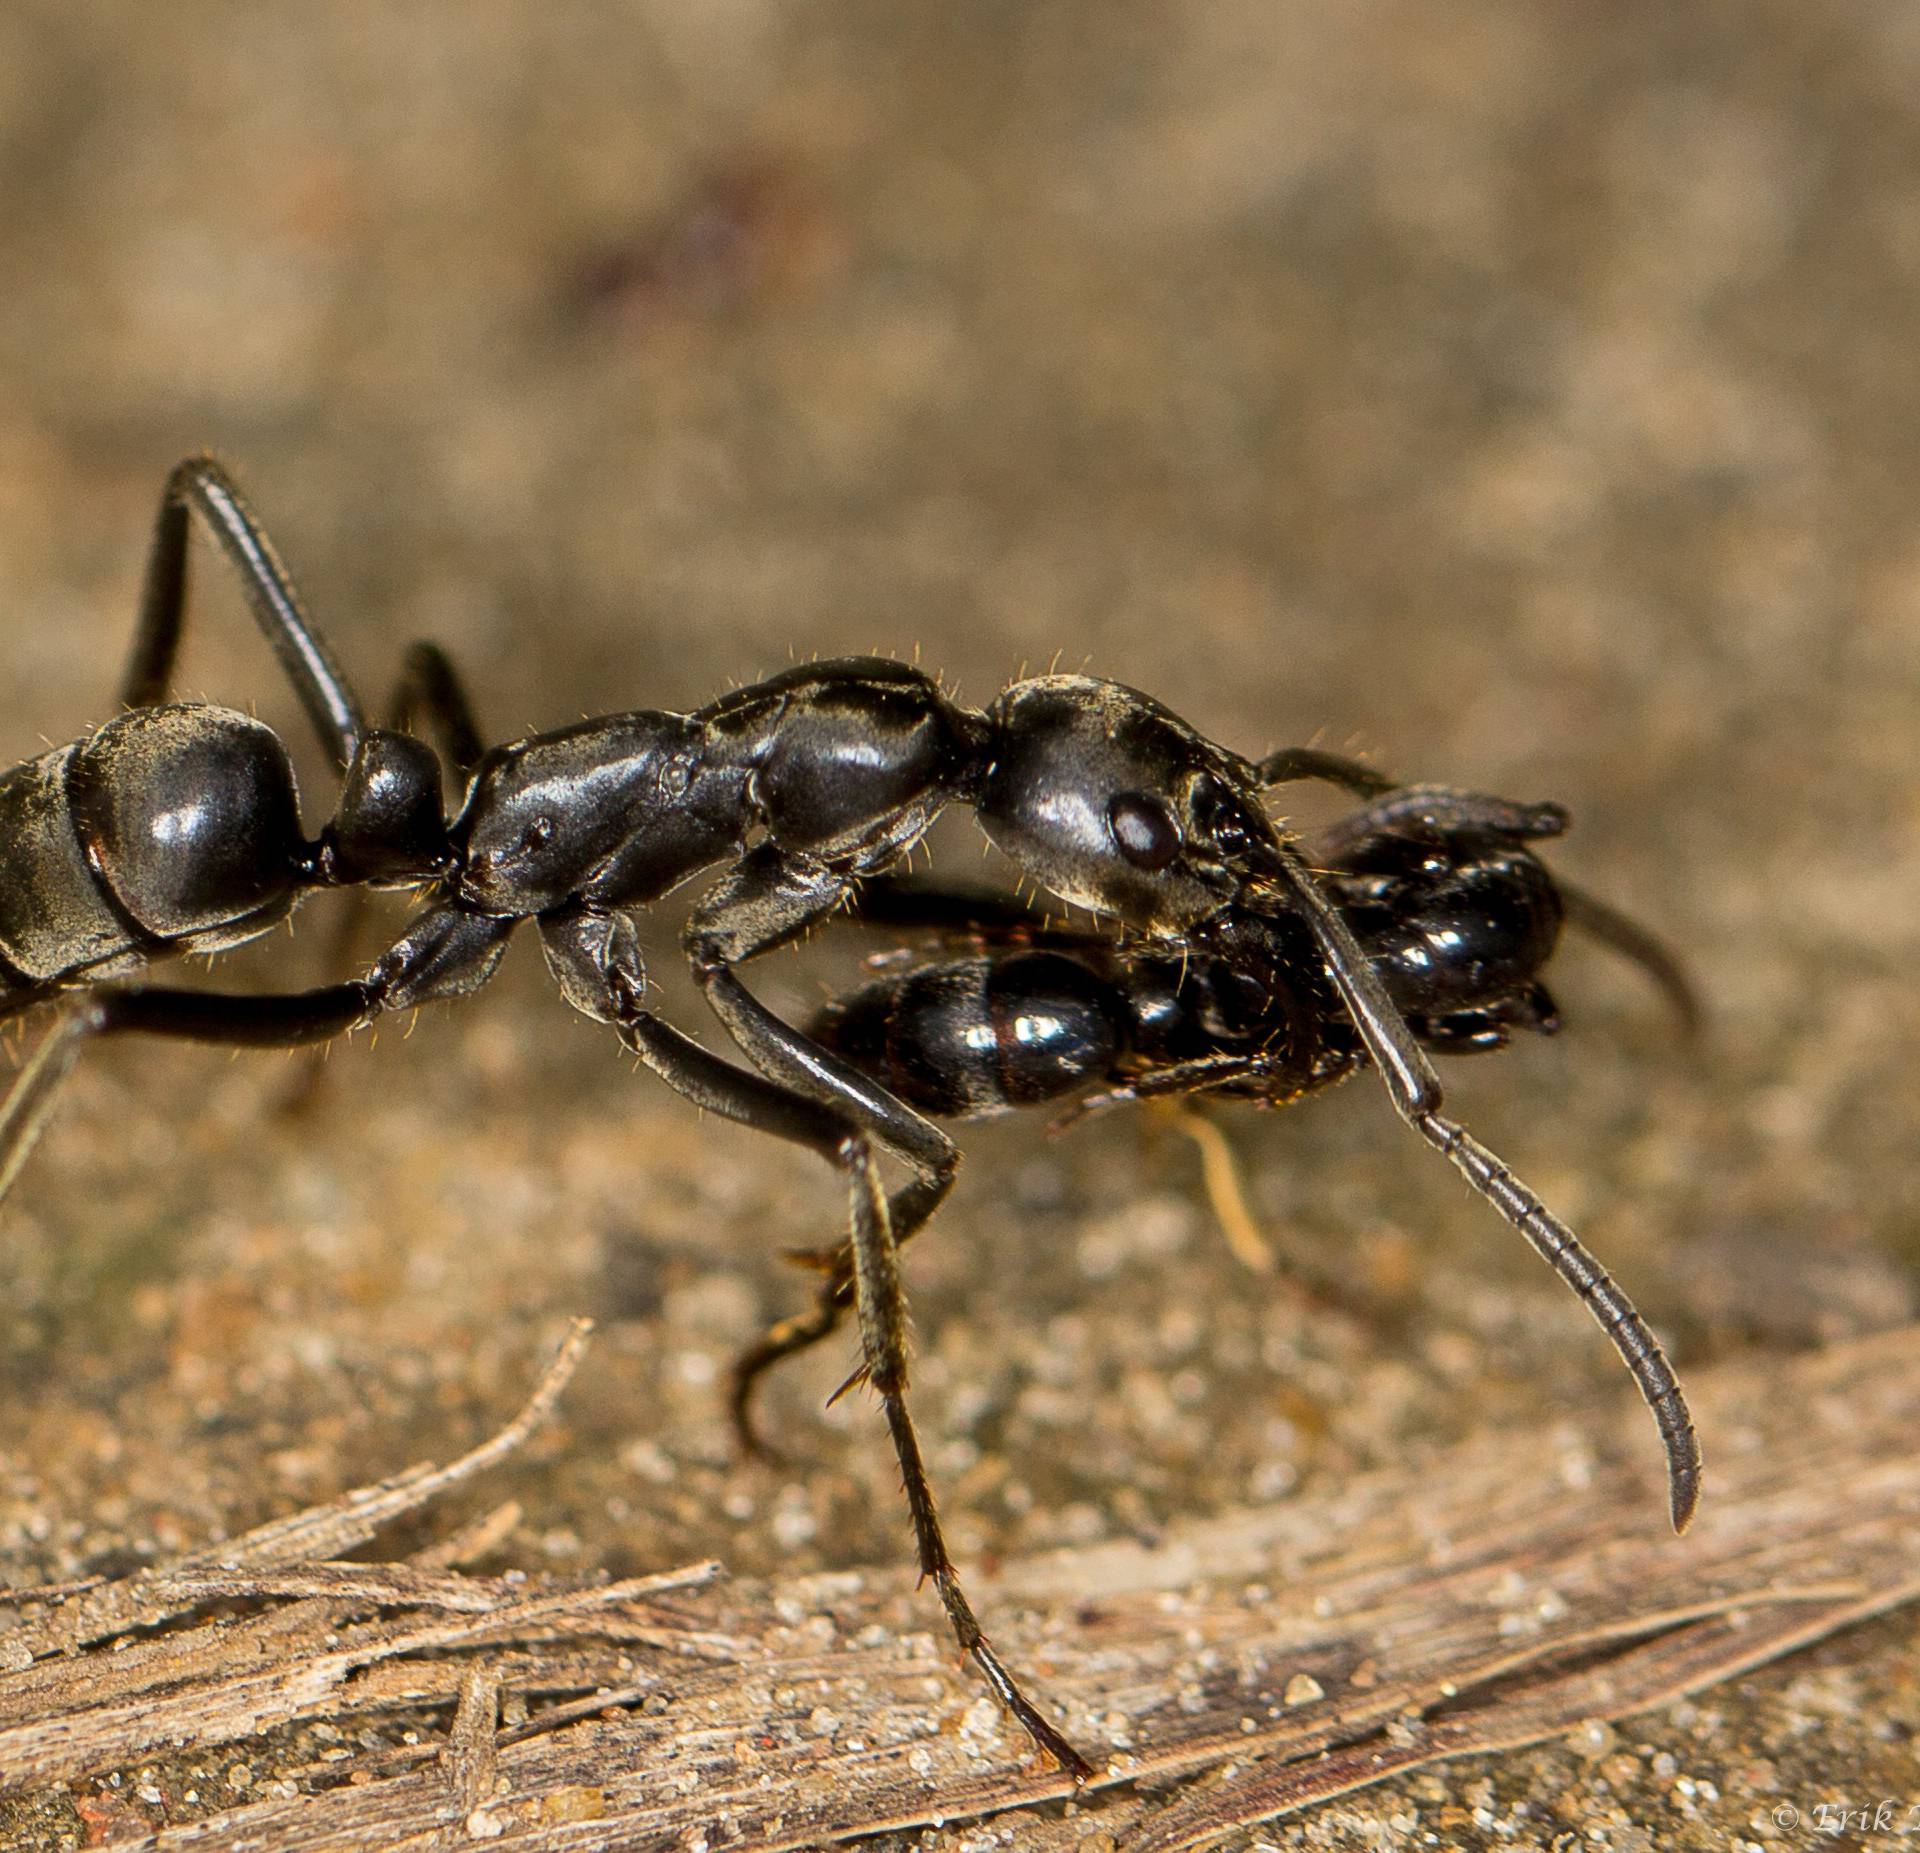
(201, 486)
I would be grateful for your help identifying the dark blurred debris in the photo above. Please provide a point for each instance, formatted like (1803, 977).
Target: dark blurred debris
(743, 237)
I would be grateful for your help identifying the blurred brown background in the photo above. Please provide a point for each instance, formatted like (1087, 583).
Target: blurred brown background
(1522, 395)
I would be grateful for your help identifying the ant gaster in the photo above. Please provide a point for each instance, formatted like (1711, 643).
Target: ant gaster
(174, 828)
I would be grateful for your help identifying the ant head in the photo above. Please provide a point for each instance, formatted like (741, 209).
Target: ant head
(1110, 801)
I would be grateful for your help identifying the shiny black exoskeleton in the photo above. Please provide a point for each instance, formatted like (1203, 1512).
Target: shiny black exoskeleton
(1458, 921)
(1458, 925)
(175, 828)
(1448, 903)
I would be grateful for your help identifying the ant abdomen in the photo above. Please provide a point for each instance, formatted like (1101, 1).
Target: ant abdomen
(169, 829)
(970, 1037)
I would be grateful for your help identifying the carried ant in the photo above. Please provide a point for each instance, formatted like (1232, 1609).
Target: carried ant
(1439, 887)
(175, 828)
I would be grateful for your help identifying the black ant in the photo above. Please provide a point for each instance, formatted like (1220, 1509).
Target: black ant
(175, 828)
(1451, 907)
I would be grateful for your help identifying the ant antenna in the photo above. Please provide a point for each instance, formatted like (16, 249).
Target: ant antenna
(1416, 1094)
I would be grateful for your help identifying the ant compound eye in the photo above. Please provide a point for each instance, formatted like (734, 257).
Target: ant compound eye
(1144, 829)
(537, 835)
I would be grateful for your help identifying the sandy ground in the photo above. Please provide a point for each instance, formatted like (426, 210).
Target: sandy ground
(1522, 396)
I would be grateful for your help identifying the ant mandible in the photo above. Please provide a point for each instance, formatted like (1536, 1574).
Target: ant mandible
(175, 828)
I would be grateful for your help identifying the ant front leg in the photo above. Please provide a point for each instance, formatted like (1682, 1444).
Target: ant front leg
(1389, 806)
(1439, 810)
(962, 915)
(1293, 764)
(1418, 810)
(595, 957)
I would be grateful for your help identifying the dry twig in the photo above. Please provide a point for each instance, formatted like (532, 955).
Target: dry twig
(1254, 1663)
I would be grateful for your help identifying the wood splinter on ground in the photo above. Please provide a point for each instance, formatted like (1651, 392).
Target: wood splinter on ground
(1241, 1667)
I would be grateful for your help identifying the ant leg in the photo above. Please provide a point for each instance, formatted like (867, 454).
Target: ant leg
(785, 1339)
(1202, 1074)
(429, 685)
(909, 1210)
(973, 915)
(795, 1060)
(30, 1101)
(1415, 1091)
(1220, 1172)
(203, 1016)
(1420, 809)
(978, 916)
(1436, 807)
(1294, 763)
(766, 899)
(445, 952)
(1643, 948)
(968, 916)
(201, 486)
(962, 913)
(596, 959)
(882, 1306)
(1391, 806)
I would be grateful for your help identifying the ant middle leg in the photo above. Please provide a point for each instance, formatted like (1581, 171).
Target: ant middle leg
(767, 899)
(978, 917)
(910, 1209)
(1389, 805)
(596, 959)
(430, 688)
(1424, 810)
(1293, 764)
(880, 1302)
(1418, 809)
